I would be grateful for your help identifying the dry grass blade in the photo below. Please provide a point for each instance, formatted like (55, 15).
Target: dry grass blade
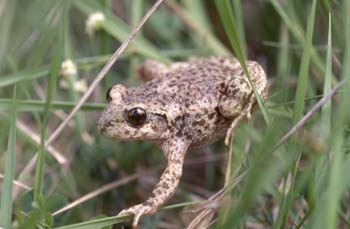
(309, 114)
(203, 220)
(94, 84)
(17, 183)
(61, 159)
(95, 193)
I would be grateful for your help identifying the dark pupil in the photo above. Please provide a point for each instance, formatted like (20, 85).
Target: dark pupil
(136, 116)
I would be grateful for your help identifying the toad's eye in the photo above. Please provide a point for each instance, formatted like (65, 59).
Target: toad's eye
(108, 94)
(136, 116)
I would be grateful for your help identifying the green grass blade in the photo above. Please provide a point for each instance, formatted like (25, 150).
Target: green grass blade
(326, 109)
(296, 30)
(193, 13)
(52, 81)
(38, 105)
(6, 23)
(237, 7)
(25, 75)
(98, 223)
(304, 67)
(339, 165)
(283, 60)
(6, 196)
(282, 218)
(106, 40)
(322, 168)
(225, 10)
(71, 79)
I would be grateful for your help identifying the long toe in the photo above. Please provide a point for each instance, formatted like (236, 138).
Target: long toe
(135, 223)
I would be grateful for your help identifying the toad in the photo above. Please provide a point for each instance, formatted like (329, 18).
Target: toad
(182, 106)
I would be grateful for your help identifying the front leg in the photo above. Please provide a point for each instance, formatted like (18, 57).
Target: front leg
(175, 152)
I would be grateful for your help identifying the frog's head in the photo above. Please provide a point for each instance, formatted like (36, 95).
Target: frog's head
(126, 117)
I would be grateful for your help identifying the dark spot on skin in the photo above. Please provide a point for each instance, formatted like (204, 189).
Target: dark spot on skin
(186, 115)
(234, 91)
(149, 203)
(173, 176)
(126, 132)
(179, 133)
(199, 123)
(178, 118)
(165, 185)
(188, 136)
(211, 116)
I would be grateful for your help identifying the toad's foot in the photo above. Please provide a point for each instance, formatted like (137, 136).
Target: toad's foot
(175, 151)
(138, 211)
(246, 113)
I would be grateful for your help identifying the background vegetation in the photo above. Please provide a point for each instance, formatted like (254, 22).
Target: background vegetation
(297, 181)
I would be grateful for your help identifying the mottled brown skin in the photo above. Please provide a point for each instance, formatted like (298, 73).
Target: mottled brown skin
(184, 105)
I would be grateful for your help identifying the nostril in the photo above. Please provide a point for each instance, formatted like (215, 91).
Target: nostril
(108, 94)
(103, 125)
(107, 124)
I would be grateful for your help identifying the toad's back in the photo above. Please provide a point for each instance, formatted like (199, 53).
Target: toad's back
(199, 82)
(195, 90)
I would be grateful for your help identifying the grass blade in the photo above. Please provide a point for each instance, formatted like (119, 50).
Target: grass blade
(282, 218)
(321, 168)
(296, 30)
(38, 105)
(237, 7)
(98, 223)
(326, 109)
(39, 175)
(339, 164)
(6, 197)
(225, 10)
(192, 17)
(304, 67)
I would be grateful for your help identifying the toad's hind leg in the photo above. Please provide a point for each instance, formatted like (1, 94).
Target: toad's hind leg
(246, 113)
(238, 100)
(167, 185)
(152, 69)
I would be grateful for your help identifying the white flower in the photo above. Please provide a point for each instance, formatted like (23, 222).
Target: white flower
(68, 68)
(94, 22)
(80, 86)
